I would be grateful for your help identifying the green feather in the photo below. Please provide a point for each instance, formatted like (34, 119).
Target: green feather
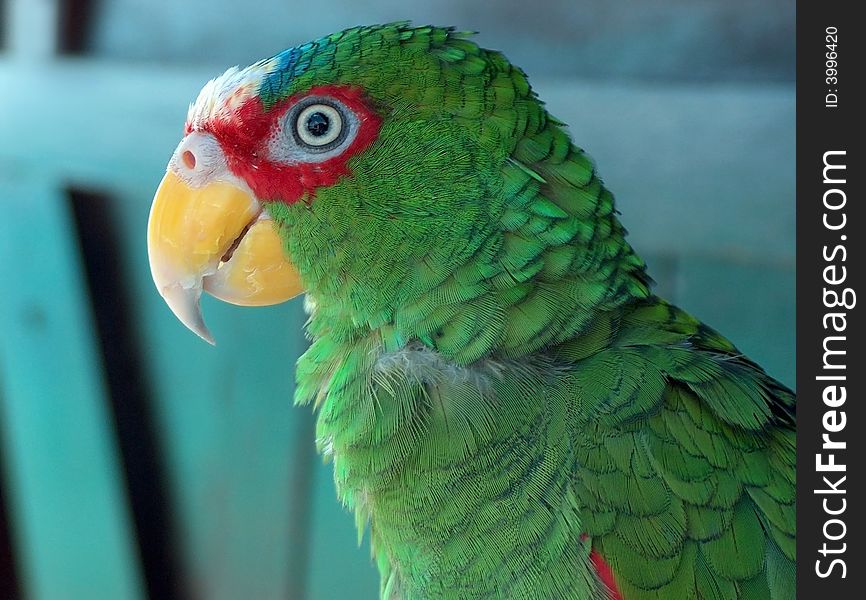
(739, 553)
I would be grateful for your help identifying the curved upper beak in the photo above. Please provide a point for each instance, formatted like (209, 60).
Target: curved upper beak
(215, 238)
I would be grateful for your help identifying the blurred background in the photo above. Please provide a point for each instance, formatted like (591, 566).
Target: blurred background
(137, 461)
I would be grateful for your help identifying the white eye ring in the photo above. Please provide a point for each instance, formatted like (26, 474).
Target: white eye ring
(319, 126)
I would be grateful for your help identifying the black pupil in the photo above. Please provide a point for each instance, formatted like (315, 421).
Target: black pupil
(318, 124)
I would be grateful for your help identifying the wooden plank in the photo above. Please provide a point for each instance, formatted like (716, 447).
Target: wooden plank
(65, 486)
(31, 28)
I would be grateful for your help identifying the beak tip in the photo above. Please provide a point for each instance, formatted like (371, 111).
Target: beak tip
(184, 302)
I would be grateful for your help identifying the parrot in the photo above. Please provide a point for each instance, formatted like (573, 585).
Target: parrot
(509, 409)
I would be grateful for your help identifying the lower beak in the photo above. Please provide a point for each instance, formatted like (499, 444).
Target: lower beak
(215, 238)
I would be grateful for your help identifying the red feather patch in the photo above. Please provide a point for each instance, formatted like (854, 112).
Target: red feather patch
(603, 570)
(605, 574)
(244, 139)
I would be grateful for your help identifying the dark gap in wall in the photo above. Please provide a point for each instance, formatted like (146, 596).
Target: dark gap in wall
(143, 464)
(9, 585)
(3, 24)
(74, 28)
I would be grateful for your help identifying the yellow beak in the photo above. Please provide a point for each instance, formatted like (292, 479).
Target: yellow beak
(215, 238)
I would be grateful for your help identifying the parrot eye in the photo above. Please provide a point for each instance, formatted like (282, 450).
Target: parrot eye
(314, 130)
(319, 126)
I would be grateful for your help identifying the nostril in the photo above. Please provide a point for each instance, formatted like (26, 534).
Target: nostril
(188, 159)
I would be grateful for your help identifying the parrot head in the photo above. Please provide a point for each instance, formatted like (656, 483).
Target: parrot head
(333, 167)
(367, 169)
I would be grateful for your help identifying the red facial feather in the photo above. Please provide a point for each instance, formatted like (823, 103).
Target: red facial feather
(244, 140)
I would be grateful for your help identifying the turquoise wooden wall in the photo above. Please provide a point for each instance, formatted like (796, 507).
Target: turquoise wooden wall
(703, 176)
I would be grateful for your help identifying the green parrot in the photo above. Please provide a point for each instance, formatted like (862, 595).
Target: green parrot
(509, 409)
